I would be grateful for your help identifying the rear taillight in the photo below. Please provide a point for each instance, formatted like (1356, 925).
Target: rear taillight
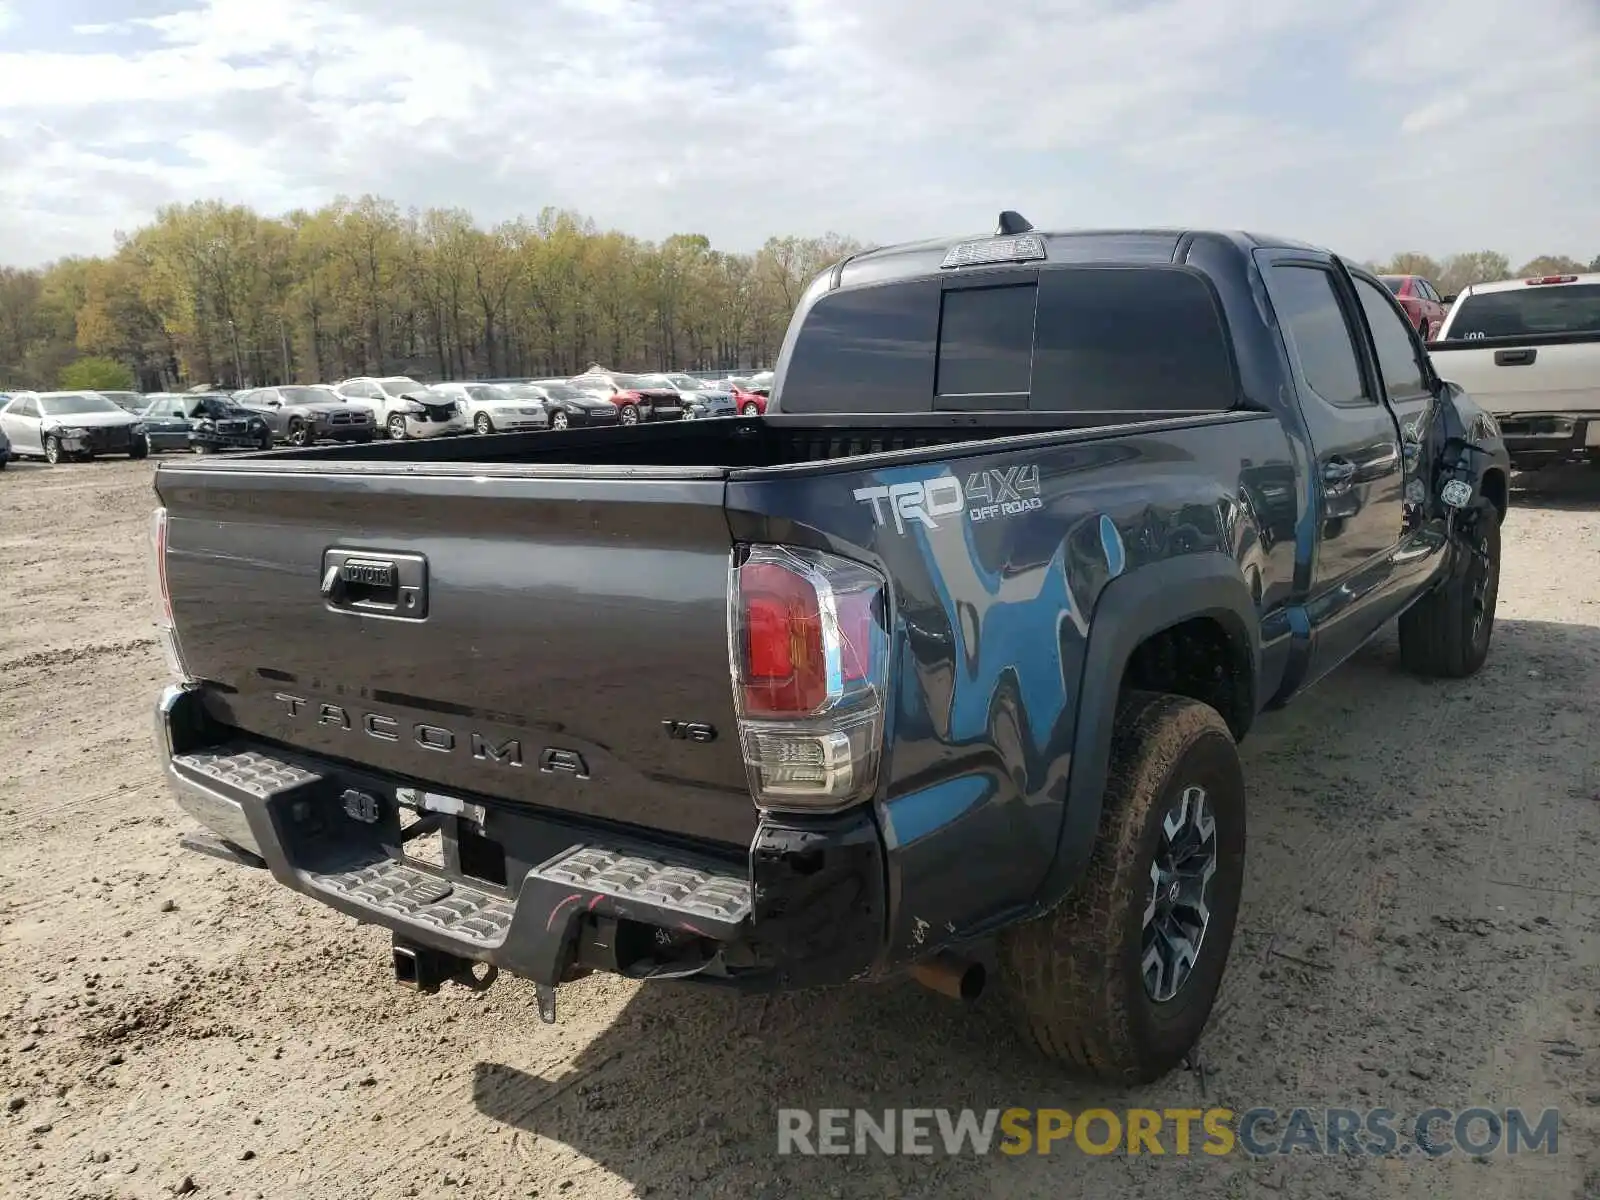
(1541, 279)
(166, 627)
(809, 652)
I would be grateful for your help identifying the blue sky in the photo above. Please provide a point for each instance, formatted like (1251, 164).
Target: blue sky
(1368, 125)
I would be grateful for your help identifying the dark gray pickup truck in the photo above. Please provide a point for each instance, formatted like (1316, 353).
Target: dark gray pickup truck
(937, 668)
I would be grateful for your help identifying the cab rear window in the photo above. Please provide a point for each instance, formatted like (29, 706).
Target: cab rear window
(1529, 311)
(1073, 339)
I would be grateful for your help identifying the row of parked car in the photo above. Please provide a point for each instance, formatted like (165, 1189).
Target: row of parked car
(82, 424)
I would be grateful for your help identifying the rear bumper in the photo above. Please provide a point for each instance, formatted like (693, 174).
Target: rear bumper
(530, 891)
(1550, 436)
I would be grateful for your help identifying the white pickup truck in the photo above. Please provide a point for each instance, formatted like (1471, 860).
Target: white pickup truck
(1528, 351)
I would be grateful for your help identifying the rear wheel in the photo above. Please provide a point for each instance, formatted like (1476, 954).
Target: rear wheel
(1446, 634)
(52, 450)
(482, 423)
(1118, 981)
(397, 427)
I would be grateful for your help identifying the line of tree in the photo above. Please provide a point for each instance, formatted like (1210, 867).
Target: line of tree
(218, 294)
(1451, 274)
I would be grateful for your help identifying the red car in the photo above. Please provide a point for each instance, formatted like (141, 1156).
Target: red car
(749, 403)
(637, 399)
(1421, 301)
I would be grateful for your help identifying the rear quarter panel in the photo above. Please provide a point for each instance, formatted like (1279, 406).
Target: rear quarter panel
(993, 618)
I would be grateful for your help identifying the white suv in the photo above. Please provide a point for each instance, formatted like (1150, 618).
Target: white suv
(404, 407)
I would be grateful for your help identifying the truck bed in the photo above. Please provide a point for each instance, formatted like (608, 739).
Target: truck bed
(695, 449)
(573, 593)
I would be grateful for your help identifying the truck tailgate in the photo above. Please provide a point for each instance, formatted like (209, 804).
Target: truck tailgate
(1508, 378)
(566, 623)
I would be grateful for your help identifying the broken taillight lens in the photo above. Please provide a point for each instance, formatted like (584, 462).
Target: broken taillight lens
(809, 655)
(166, 627)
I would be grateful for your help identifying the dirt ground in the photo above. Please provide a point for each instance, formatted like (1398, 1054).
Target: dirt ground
(1421, 925)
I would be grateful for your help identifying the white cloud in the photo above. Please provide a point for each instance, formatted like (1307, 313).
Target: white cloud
(1365, 125)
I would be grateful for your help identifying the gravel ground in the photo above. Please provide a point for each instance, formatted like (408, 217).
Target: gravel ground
(1420, 926)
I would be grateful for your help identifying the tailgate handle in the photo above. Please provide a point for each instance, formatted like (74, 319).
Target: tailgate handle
(1515, 358)
(376, 583)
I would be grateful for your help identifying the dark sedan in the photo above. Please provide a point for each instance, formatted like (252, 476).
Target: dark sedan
(220, 424)
(166, 420)
(567, 405)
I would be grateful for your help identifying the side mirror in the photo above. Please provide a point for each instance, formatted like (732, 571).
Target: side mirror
(1447, 299)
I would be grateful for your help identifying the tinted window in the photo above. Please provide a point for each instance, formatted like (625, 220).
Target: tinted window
(1130, 338)
(1319, 339)
(1393, 282)
(1391, 334)
(1531, 309)
(866, 350)
(986, 345)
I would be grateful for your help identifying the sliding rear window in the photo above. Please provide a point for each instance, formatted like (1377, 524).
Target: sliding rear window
(1074, 339)
(1528, 311)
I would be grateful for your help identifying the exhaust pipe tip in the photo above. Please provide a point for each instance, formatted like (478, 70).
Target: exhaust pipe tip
(951, 975)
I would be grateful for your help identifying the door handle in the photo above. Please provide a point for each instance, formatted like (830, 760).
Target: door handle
(1522, 357)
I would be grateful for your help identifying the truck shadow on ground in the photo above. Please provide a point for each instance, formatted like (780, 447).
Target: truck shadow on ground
(680, 1095)
(1570, 487)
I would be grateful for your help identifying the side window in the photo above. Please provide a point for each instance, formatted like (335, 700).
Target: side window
(1319, 338)
(1427, 290)
(1403, 376)
(986, 347)
(1119, 339)
(866, 350)
(24, 408)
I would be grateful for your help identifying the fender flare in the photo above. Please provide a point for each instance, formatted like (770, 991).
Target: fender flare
(1130, 609)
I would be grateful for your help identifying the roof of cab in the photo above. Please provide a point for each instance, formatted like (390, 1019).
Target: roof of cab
(1555, 279)
(909, 260)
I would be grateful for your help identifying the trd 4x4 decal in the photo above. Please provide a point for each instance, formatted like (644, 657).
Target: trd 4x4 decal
(1003, 492)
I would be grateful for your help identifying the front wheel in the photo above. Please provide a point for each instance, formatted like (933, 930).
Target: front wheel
(629, 414)
(299, 433)
(139, 448)
(1446, 634)
(1118, 981)
(482, 423)
(558, 420)
(397, 427)
(52, 450)
(750, 409)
